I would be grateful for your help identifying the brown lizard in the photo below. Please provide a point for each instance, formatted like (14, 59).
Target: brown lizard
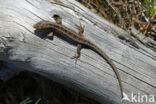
(79, 39)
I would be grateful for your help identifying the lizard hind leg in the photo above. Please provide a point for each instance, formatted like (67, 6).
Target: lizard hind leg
(80, 28)
(79, 46)
(78, 53)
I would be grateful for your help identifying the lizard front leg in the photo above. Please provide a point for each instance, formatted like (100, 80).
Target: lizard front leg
(58, 20)
(51, 34)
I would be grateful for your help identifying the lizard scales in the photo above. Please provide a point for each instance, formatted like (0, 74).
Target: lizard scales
(75, 37)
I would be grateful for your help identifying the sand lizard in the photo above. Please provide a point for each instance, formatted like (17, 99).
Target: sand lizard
(79, 39)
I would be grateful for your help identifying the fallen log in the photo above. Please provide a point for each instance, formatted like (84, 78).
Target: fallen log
(91, 76)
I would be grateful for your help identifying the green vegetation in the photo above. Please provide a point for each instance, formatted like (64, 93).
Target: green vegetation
(149, 7)
(30, 88)
(141, 14)
(29, 101)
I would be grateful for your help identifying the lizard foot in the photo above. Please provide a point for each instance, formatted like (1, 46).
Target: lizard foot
(51, 34)
(76, 57)
(78, 53)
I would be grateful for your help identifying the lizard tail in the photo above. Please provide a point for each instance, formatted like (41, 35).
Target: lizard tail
(109, 61)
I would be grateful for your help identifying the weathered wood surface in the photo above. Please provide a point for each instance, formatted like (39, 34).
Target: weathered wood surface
(91, 76)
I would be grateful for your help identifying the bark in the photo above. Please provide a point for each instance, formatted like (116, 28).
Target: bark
(92, 75)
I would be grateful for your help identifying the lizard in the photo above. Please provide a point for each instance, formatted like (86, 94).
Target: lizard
(78, 38)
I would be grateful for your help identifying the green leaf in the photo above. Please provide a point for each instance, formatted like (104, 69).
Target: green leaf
(38, 101)
(26, 101)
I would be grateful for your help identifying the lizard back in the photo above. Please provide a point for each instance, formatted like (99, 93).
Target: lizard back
(61, 30)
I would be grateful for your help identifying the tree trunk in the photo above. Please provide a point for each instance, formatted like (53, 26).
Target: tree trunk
(92, 75)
